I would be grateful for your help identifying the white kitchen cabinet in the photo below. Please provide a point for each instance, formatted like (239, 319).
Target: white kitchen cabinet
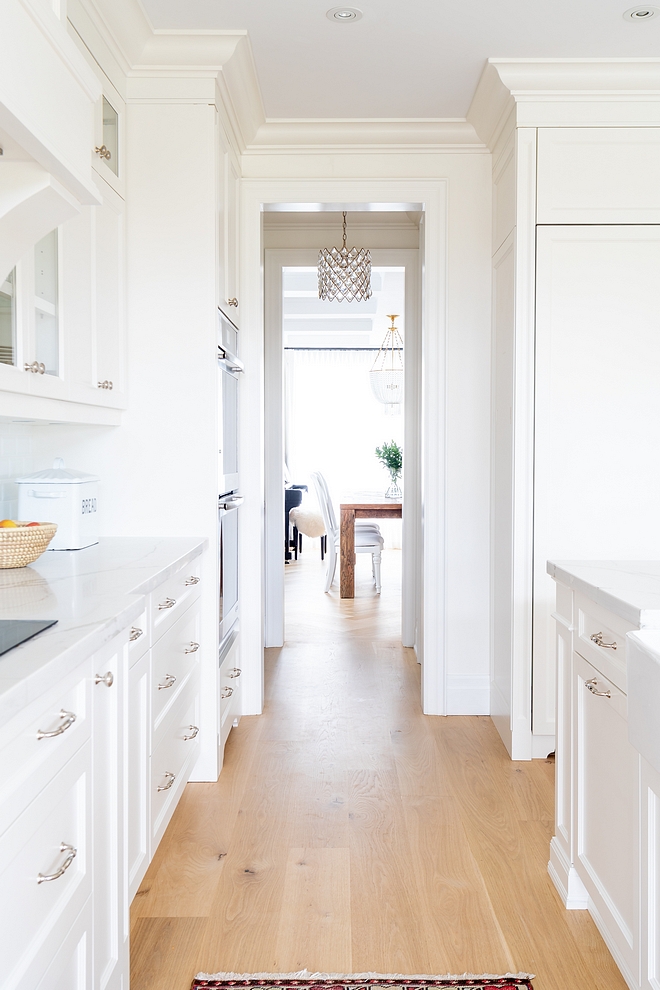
(228, 204)
(599, 175)
(650, 876)
(597, 411)
(137, 735)
(606, 783)
(110, 943)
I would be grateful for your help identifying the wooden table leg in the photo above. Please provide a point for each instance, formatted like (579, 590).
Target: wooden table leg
(347, 554)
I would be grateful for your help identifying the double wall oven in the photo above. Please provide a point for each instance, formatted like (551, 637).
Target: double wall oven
(229, 497)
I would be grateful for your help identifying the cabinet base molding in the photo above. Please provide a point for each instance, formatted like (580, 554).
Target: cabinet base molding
(569, 886)
(632, 982)
(542, 746)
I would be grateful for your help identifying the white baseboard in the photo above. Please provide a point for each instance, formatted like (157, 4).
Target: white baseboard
(569, 886)
(542, 746)
(468, 694)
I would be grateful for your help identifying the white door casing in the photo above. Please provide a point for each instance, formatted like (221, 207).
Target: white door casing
(347, 194)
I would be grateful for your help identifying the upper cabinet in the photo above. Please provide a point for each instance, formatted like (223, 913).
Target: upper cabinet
(229, 203)
(598, 175)
(108, 151)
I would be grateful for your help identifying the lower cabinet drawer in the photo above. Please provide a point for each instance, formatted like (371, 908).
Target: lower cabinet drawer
(173, 597)
(601, 639)
(172, 761)
(174, 662)
(37, 743)
(45, 865)
(68, 956)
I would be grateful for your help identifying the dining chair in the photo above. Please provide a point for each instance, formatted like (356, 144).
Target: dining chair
(368, 537)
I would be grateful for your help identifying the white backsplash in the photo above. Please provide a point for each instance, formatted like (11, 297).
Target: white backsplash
(16, 459)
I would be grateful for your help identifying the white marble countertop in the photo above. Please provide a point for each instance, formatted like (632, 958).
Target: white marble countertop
(93, 593)
(629, 588)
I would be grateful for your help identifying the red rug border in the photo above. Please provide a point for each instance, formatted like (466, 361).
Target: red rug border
(483, 982)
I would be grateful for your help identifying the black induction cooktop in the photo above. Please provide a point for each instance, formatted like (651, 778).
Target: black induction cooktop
(13, 632)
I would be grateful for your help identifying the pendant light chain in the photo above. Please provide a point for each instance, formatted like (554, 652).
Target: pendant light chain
(343, 273)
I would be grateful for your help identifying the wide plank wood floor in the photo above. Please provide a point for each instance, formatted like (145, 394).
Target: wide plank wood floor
(348, 832)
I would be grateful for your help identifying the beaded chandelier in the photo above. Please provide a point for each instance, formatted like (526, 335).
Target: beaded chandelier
(344, 273)
(386, 375)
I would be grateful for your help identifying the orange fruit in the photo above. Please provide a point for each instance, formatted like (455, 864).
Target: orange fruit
(33, 524)
(7, 524)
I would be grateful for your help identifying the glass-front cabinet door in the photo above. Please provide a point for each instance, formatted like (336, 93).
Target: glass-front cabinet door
(8, 319)
(46, 304)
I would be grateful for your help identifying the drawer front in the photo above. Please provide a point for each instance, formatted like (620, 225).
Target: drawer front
(171, 763)
(45, 866)
(173, 597)
(138, 639)
(600, 637)
(68, 956)
(35, 745)
(174, 661)
(230, 681)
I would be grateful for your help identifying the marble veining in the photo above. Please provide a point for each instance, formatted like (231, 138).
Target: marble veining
(93, 593)
(629, 588)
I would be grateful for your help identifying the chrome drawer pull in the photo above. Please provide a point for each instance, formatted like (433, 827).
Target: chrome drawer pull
(68, 718)
(191, 580)
(71, 853)
(106, 679)
(170, 681)
(168, 603)
(194, 732)
(226, 692)
(192, 648)
(597, 638)
(235, 672)
(135, 633)
(105, 384)
(591, 686)
(171, 777)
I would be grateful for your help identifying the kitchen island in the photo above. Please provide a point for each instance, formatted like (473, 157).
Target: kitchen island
(604, 853)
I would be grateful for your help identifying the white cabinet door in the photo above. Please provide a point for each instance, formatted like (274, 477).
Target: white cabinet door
(137, 734)
(650, 893)
(597, 414)
(231, 302)
(598, 175)
(109, 372)
(110, 948)
(607, 812)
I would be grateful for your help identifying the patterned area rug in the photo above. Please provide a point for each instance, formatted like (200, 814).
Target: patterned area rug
(356, 981)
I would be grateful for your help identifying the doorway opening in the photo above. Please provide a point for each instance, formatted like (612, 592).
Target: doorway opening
(322, 415)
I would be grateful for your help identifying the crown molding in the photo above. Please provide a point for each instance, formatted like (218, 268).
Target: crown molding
(282, 136)
(573, 84)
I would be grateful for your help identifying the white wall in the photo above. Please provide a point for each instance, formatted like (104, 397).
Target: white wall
(468, 386)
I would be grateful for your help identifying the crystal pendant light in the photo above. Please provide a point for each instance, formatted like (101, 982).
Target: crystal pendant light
(344, 273)
(386, 375)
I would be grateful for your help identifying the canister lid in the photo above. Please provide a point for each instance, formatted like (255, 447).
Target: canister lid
(58, 474)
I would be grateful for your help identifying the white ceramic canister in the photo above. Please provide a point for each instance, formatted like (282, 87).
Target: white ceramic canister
(68, 498)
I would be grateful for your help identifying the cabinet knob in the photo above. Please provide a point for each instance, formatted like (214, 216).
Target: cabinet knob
(71, 853)
(169, 780)
(194, 732)
(105, 384)
(68, 718)
(103, 152)
(135, 633)
(37, 367)
(232, 302)
(107, 679)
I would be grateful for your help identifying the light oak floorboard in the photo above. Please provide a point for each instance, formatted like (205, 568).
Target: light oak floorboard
(349, 832)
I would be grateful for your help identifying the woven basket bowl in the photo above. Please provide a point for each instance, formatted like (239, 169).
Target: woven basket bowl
(20, 546)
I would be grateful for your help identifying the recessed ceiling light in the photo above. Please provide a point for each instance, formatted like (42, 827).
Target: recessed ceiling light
(640, 13)
(344, 14)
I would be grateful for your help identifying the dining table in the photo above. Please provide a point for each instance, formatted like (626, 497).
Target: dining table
(361, 506)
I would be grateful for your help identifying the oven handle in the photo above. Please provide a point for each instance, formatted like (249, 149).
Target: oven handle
(232, 502)
(230, 362)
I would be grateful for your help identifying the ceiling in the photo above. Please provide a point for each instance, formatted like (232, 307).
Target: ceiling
(412, 59)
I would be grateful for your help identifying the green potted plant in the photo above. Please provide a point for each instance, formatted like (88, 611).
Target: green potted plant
(390, 456)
